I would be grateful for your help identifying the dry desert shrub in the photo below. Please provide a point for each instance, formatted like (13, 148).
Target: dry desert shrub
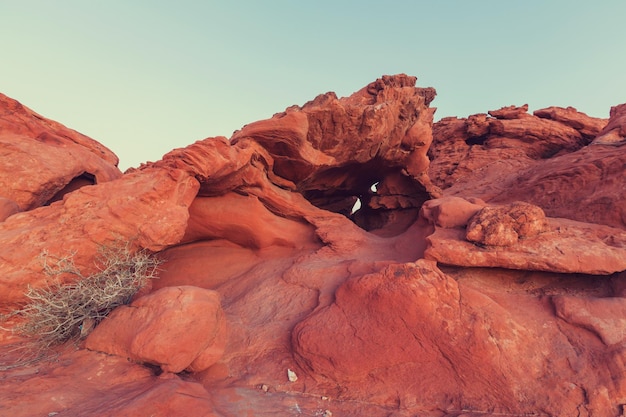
(61, 312)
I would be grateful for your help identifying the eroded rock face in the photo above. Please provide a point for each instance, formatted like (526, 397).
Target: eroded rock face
(43, 160)
(334, 149)
(246, 221)
(542, 159)
(147, 211)
(402, 315)
(511, 139)
(586, 185)
(464, 146)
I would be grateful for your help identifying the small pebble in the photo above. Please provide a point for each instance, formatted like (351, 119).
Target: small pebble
(292, 375)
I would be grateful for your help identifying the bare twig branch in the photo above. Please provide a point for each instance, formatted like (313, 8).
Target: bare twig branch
(61, 312)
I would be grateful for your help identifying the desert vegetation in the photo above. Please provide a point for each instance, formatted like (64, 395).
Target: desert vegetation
(73, 303)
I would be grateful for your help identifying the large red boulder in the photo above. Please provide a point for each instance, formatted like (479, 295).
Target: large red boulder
(412, 335)
(176, 328)
(505, 225)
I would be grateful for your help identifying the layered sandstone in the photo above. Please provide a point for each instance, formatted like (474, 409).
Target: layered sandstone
(482, 275)
(543, 159)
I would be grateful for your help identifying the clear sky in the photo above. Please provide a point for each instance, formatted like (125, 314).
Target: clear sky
(144, 77)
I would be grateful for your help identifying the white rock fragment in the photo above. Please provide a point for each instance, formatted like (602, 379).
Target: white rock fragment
(292, 375)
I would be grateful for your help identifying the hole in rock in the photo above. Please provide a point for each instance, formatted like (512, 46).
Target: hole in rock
(155, 369)
(373, 195)
(356, 206)
(476, 140)
(77, 182)
(342, 190)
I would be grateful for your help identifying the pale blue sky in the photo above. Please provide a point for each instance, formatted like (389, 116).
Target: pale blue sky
(144, 77)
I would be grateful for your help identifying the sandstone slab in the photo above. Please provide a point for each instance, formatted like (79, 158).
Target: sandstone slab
(567, 246)
(589, 127)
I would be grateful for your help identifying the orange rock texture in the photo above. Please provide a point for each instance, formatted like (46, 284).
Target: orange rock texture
(347, 257)
(42, 160)
(176, 328)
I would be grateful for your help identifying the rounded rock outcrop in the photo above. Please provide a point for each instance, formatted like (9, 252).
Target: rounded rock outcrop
(505, 225)
(177, 328)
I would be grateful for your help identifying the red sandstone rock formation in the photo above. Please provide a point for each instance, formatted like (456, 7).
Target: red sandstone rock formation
(506, 225)
(541, 159)
(614, 133)
(176, 328)
(43, 160)
(386, 311)
(563, 246)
